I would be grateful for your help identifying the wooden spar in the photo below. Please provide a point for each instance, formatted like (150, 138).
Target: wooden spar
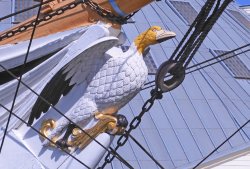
(73, 18)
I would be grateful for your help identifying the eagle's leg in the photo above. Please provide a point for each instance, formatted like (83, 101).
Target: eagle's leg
(63, 142)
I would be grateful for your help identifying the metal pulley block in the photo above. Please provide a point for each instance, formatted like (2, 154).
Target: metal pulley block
(173, 72)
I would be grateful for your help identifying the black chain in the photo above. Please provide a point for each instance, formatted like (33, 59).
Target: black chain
(199, 35)
(155, 94)
(45, 18)
(94, 6)
(107, 14)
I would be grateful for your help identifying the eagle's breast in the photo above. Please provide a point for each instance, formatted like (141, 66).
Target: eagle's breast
(119, 80)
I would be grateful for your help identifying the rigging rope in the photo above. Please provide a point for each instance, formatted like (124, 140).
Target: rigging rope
(199, 19)
(199, 35)
(145, 151)
(212, 59)
(19, 82)
(203, 66)
(94, 6)
(222, 144)
(220, 60)
(210, 21)
(178, 62)
(151, 86)
(61, 113)
(37, 131)
(176, 66)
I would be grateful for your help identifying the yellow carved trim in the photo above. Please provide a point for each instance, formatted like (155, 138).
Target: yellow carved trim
(46, 126)
(106, 123)
(108, 111)
(101, 116)
(81, 140)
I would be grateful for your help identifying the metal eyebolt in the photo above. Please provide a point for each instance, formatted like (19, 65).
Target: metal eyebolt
(170, 68)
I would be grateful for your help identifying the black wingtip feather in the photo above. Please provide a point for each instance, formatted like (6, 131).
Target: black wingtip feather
(52, 92)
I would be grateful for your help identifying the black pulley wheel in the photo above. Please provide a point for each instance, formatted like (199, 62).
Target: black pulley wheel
(172, 70)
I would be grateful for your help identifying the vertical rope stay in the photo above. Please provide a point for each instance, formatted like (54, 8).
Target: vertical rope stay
(22, 71)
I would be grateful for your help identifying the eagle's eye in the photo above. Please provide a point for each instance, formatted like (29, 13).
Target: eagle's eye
(154, 30)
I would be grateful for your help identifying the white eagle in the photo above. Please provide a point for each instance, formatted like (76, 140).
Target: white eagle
(109, 79)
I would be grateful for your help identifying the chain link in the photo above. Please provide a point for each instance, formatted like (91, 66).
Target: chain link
(45, 18)
(155, 94)
(107, 14)
(94, 6)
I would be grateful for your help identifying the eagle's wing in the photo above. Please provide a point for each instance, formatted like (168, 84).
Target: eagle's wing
(78, 70)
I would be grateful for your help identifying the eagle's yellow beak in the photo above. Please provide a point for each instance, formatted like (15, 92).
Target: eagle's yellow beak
(163, 35)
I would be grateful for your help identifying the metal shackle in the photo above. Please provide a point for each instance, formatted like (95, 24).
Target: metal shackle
(174, 69)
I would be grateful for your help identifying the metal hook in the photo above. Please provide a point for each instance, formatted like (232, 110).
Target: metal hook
(174, 69)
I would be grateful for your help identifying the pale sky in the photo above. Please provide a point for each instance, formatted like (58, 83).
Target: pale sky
(243, 2)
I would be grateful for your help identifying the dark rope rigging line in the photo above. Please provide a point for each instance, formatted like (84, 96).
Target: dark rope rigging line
(145, 151)
(207, 65)
(128, 133)
(202, 25)
(198, 30)
(45, 101)
(112, 165)
(189, 31)
(219, 56)
(199, 23)
(210, 21)
(37, 131)
(198, 64)
(201, 67)
(190, 43)
(205, 30)
(19, 82)
(186, 35)
(24, 10)
(222, 144)
(219, 61)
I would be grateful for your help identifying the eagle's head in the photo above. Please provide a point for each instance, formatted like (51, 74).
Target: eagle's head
(153, 35)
